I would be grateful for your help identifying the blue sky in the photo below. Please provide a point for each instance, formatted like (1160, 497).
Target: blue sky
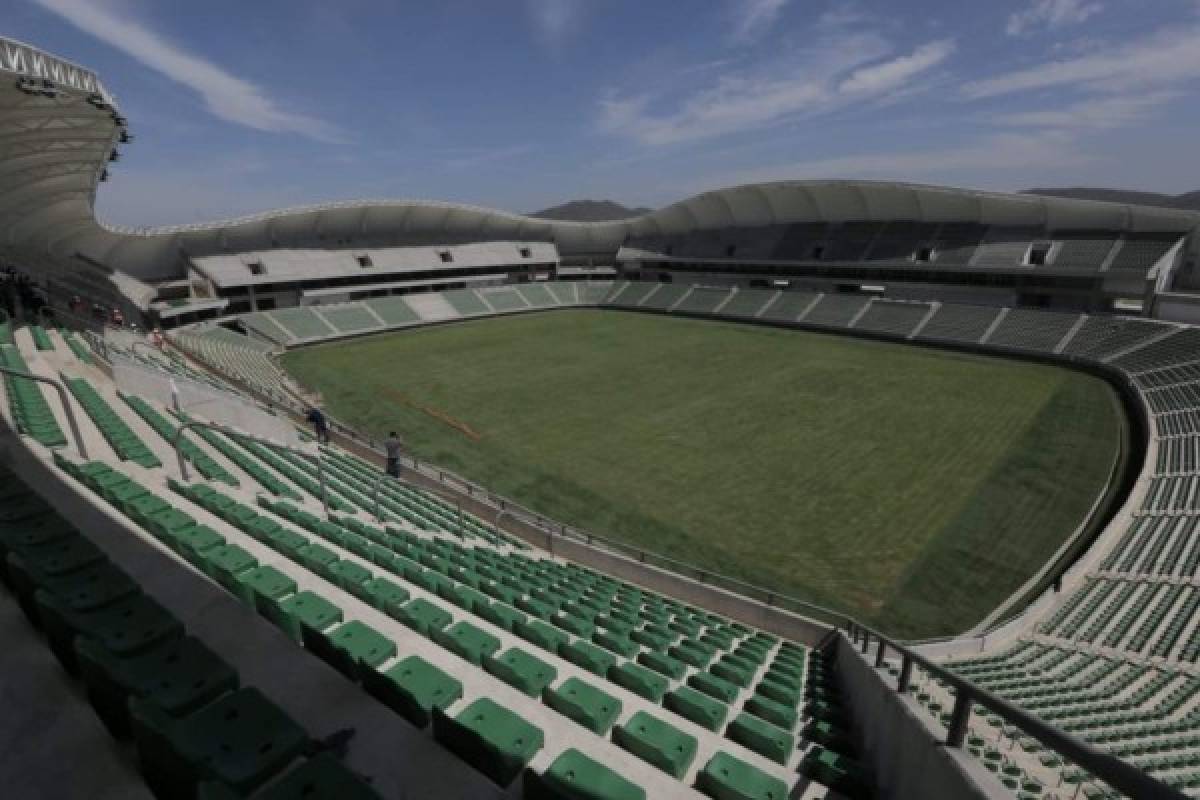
(242, 106)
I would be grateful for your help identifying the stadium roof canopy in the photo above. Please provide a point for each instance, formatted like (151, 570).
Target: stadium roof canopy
(56, 144)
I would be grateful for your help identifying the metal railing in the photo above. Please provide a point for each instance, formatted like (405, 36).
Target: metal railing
(177, 443)
(63, 397)
(1117, 773)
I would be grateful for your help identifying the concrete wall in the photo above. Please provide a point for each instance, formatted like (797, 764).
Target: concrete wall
(908, 759)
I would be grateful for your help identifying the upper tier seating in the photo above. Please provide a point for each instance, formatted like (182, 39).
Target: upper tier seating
(302, 323)
(1082, 250)
(1033, 330)
(1138, 252)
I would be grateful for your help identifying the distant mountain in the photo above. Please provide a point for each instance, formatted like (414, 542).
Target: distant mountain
(590, 211)
(1187, 202)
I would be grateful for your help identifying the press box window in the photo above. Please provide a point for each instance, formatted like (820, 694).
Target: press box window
(1039, 254)
(446, 256)
(256, 268)
(526, 252)
(364, 261)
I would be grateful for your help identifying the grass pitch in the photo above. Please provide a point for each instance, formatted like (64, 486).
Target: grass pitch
(914, 488)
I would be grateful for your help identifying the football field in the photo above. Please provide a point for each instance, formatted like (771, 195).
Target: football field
(912, 487)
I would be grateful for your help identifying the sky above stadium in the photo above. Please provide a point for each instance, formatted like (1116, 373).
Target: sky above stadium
(243, 106)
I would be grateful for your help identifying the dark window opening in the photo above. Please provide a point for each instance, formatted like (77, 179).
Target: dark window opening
(446, 256)
(924, 255)
(266, 303)
(818, 252)
(256, 268)
(1038, 254)
(526, 252)
(364, 261)
(730, 250)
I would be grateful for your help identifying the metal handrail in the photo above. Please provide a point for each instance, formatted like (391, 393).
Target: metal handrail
(62, 396)
(1111, 769)
(177, 441)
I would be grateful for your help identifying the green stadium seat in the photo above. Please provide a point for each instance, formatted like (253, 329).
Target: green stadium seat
(761, 737)
(302, 611)
(240, 740)
(775, 713)
(124, 628)
(517, 668)
(662, 663)
(423, 616)
(727, 778)
(594, 659)
(639, 680)
(383, 594)
(657, 743)
(468, 641)
(541, 634)
(618, 643)
(713, 686)
(350, 576)
(413, 688)
(837, 772)
(489, 737)
(350, 647)
(178, 676)
(225, 563)
(264, 585)
(574, 776)
(786, 695)
(500, 614)
(697, 707)
(590, 707)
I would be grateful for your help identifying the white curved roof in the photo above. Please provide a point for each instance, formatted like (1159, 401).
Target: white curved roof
(53, 150)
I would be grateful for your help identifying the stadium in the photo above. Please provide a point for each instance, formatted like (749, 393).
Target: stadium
(793, 489)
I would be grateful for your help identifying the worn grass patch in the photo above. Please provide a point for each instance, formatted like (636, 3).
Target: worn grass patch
(912, 487)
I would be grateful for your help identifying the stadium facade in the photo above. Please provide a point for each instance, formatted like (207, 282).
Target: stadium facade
(62, 137)
(1103, 651)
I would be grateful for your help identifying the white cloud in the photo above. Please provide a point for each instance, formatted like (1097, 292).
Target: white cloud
(1164, 58)
(891, 74)
(555, 20)
(1094, 113)
(228, 97)
(842, 70)
(1051, 14)
(754, 17)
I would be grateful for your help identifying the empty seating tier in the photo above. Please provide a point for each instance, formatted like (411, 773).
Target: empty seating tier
(350, 318)
(1032, 330)
(29, 407)
(899, 319)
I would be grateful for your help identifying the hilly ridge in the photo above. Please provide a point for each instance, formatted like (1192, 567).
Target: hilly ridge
(590, 211)
(1189, 201)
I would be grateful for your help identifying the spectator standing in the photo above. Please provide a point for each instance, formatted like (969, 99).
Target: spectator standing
(319, 423)
(393, 446)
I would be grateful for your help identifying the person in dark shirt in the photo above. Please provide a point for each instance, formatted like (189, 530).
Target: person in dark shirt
(320, 424)
(393, 446)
